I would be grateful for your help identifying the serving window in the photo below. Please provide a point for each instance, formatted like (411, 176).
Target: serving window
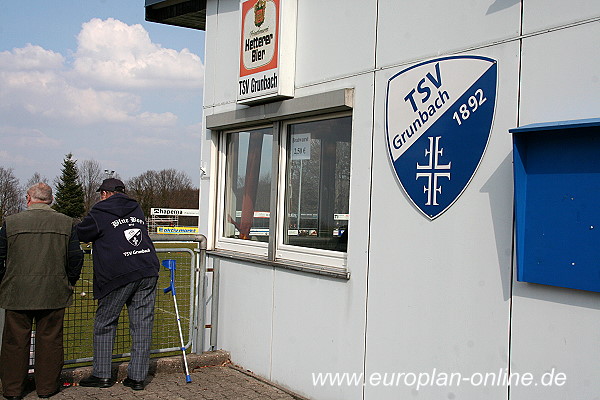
(248, 177)
(285, 190)
(317, 184)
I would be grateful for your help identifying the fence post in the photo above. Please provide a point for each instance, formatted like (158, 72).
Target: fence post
(198, 344)
(214, 313)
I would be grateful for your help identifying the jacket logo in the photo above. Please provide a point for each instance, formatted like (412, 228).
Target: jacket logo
(134, 236)
(438, 121)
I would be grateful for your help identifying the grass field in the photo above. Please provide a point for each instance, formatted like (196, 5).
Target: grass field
(79, 318)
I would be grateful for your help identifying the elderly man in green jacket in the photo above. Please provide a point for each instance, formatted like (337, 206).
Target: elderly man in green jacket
(40, 262)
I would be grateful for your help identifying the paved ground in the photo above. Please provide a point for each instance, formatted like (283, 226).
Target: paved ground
(222, 381)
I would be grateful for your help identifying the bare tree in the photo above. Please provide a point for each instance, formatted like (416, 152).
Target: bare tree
(10, 193)
(165, 188)
(169, 182)
(142, 189)
(35, 178)
(90, 176)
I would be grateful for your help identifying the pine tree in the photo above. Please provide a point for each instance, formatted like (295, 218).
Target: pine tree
(69, 192)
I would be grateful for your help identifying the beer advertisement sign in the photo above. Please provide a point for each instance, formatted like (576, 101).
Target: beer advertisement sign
(265, 71)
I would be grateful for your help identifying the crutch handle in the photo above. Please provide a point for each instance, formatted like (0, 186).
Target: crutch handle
(171, 266)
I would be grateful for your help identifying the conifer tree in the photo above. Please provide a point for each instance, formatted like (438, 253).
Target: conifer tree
(68, 198)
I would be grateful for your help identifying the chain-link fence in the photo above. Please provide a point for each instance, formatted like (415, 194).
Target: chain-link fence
(79, 317)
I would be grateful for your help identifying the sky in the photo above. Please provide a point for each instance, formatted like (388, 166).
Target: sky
(94, 79)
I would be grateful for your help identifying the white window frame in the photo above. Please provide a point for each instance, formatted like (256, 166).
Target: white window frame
(222, 242)
(278, 115)
(284, 251)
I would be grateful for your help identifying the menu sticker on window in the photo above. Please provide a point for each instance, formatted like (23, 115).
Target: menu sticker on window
(300, 146)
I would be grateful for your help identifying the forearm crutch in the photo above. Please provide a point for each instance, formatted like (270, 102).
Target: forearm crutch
(170, 265)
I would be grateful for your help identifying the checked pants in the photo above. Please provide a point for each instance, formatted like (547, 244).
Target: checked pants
(139, 298)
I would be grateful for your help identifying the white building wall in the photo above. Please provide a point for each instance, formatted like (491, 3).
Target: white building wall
(560, 75)
(413, 31)
(319, 322)
(556, 329)
(422, 294)
(246, 314)
(439, 292)
(334, 40)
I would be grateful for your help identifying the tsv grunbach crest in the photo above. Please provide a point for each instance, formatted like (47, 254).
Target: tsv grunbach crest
(438, 121)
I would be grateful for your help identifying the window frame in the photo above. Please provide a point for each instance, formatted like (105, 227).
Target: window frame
(291, 252)
(233, 244)
(321, 106)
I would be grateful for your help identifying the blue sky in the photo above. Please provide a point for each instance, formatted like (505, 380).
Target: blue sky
(93, 78)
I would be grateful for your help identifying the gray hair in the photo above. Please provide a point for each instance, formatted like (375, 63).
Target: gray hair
(40, 192)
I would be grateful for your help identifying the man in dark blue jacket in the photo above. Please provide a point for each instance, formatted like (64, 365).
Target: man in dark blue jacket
(125, 273)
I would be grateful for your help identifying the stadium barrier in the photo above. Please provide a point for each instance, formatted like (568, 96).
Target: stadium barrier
(189, 252)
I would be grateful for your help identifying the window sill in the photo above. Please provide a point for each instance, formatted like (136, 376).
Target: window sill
(334, 272)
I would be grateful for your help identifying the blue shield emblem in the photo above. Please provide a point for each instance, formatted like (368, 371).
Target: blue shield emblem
(439, 117)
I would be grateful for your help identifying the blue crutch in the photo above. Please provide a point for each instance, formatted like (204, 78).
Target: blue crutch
(170, 265)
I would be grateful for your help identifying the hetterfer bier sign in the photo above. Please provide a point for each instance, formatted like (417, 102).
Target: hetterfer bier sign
(267, 50)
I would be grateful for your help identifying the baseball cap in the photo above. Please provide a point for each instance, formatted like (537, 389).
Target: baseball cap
(112, 185)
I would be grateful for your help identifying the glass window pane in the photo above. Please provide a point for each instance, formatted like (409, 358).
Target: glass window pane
(318, 184)
(248, 184)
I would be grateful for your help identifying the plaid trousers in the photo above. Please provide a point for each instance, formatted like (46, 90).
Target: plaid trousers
(139, 297)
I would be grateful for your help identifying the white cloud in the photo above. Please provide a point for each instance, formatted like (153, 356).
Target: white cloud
(117, 94)
(30, 58)
(26, 138)
(157, 120)
(113, 54)
(48, 95)
(112, 59)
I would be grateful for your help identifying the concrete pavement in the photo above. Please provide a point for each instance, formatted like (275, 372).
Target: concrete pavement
(213, 378)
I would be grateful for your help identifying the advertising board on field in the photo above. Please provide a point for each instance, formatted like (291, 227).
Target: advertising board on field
(177, 230)
(177, 212)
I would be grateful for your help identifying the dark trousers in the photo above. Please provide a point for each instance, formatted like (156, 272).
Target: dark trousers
(49, 355)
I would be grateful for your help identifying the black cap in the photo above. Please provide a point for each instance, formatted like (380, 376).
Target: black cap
(112, 185)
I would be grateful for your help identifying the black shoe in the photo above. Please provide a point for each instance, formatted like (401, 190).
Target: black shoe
(47, 396)
(135, 385)
(94, 381)
(13, 397)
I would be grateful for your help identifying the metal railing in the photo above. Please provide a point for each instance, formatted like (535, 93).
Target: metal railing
(189, 253)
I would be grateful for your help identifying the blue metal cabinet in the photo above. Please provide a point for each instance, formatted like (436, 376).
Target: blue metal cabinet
(557, 203)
